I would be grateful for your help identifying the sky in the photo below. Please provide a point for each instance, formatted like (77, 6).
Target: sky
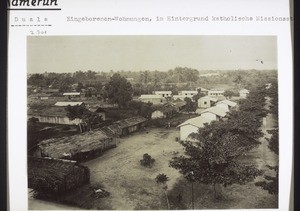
(104, 53)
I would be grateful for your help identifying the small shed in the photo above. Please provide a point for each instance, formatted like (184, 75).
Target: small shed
(56, 175)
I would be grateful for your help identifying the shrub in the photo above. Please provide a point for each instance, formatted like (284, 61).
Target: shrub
(147, 160)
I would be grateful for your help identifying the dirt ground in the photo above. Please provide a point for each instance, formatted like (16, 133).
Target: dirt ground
(131, 185)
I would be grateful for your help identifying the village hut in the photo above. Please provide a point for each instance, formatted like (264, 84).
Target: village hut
(51, 175)
(130, 125)
(77, 147)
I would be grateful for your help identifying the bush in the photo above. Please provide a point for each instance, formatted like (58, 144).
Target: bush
(147, 160)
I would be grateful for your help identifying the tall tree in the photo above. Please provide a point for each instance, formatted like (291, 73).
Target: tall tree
(213, 158)
(119, 90)
(162, 179)
(81, 112)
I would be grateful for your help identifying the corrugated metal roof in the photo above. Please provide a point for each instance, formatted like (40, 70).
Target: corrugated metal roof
(215, 110)
(68, 103)
(209, 98)
(71, 93)
(197, 122)
(228, 102)
(150, 97)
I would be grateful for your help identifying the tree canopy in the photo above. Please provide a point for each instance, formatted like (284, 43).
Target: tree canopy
(118, 90)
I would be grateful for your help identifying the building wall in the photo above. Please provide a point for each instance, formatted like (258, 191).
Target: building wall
(215, 93)
(157, 114)
(186, 130)
(243, 95)
(152, 100)
(204, 103)
(210, 116)
(57, 120)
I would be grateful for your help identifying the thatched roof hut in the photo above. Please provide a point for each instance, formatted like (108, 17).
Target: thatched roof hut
(77, 147)
(55, 175)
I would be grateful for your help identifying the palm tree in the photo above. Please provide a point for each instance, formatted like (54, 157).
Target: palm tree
(162, 179)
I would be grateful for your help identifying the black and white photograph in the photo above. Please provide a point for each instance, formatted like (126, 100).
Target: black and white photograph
(152, 122)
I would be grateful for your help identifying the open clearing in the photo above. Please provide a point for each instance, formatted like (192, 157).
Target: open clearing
(131, 185)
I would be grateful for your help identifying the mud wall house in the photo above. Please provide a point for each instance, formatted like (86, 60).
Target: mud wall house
(56, 175)
(244, 93)
(206, 102)
(53, 115)
(226, 104)
(77, 147)
(192, 126)
(163, 93)
(155, 99)
(214, 113)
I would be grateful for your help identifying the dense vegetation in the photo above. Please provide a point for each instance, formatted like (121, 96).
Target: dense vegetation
(213, 156)
(143, 82)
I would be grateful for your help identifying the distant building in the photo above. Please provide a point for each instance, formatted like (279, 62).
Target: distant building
(206, 102)
(155, 99)
(56, 175)
(53, 114)
(202, 90)
(214, 113)
(163, 112)
(65, 104)
(72, 95)
(226, 104)
(163, 93)
(244, 93)
(51, 91)
(215, 93)
(40, 96)
(192, 126)
(188, 93)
